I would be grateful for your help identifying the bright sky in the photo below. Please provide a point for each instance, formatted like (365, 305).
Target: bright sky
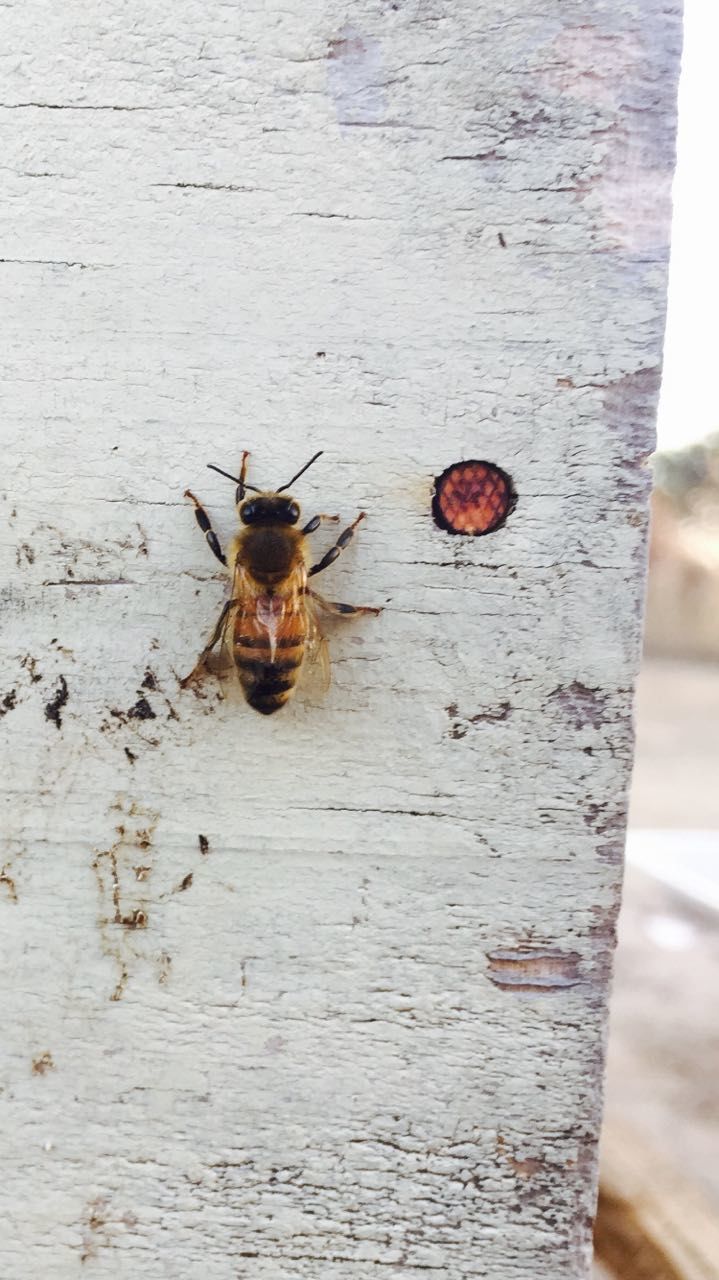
(689, 405)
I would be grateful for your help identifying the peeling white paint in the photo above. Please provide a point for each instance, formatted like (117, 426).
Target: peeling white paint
(258, 959)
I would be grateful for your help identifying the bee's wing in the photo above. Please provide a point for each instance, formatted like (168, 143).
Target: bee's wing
(219, 663)
(223, 660)
(217, 658)
(316, 675)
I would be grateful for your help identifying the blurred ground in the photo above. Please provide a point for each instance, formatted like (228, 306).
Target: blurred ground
(676, 770)
(662, 1086)
(682, 607)
(661, 1132)
(659, 1172)
(664, 1038)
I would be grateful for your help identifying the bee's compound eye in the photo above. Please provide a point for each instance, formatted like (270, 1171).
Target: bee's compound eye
(293, 513)
(248, 511)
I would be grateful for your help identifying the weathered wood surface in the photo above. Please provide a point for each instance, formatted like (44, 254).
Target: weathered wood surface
(360, 1031)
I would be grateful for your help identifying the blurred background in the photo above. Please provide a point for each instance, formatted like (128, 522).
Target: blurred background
(659, 1184)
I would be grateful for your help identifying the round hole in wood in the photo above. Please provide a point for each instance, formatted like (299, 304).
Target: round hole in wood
(472, 498)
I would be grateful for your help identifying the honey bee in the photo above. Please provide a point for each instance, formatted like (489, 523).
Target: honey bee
(268, 629)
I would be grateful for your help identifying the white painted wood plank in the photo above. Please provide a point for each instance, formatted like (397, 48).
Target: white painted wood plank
(363, 1028)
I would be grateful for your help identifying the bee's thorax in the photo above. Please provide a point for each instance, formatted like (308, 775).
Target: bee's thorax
(270, 552)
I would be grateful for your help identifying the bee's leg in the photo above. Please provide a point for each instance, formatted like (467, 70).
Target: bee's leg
(346, 536)
(201, 664)
(203, 520)
(316, 521)
(336, 606)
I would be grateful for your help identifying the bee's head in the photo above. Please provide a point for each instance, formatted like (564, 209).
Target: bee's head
(268, 507)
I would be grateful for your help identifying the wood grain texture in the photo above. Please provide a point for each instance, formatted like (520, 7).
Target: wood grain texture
(321, 995)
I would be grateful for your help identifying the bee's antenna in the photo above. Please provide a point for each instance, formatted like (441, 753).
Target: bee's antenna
(234, 478)
(299, 473)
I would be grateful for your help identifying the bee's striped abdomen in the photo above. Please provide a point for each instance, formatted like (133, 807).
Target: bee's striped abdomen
(268, 665)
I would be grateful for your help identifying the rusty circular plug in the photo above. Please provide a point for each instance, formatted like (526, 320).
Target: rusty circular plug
(472, 498)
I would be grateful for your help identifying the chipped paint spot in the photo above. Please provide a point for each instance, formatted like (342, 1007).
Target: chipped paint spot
(43, 1064)
(529, 970)
(112, 867)
(141, 710)
(630, 404)
(526, 1168)
(354, 78)
(8, 703)
(461, 725)
(8, 883)
(30, 665)
(94, 1235)
(56, 704)
(613, 74)
(581, 704)
(608, 818)
(612, 851)
(585, 62)
(136, 919)
(24, 554)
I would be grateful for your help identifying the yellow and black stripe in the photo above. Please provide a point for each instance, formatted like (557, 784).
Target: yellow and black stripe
(268, 683)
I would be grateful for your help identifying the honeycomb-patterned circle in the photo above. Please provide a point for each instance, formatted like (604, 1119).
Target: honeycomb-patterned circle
(472, 498)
